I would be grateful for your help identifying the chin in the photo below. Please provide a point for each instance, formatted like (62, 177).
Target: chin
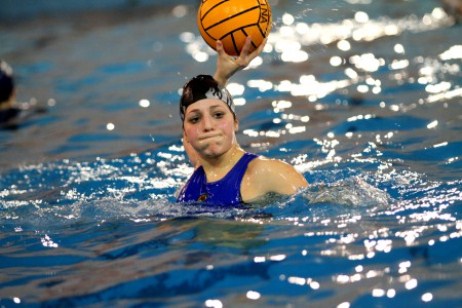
(213, 152)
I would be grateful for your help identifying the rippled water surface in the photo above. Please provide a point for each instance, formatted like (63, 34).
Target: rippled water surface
(363, 97)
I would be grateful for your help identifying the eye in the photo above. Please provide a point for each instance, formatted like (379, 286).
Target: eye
(218, 114)
(194, 119)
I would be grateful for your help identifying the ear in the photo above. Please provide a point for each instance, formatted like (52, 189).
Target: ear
(236, 125)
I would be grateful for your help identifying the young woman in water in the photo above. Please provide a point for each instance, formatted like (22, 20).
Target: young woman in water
(224, 173)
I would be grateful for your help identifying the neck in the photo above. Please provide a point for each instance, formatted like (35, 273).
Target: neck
(216, 168)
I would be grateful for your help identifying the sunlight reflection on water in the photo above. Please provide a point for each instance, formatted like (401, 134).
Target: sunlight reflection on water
(361, 106)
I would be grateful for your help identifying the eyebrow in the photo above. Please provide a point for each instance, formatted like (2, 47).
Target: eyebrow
(210, 108)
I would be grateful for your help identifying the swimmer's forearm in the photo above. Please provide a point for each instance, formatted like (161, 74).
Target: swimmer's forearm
(222, 80)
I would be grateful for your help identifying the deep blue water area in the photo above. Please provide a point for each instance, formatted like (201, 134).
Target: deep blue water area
(363, 97)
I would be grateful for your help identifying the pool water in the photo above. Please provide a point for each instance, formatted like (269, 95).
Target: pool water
(363, 97)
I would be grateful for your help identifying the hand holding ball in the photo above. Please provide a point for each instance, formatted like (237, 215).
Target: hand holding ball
(232, 21)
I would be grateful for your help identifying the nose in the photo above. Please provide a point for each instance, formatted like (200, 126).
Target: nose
(207, 123)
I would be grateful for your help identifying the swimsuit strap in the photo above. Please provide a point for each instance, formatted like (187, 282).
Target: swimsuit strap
(237, 172)
(226, 191)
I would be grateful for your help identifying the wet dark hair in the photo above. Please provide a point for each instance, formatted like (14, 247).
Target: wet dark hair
(203, 87)
(6, 81)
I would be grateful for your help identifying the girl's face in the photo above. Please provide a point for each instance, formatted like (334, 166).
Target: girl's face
(209, 127)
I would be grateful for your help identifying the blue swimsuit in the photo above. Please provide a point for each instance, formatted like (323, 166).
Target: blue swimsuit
(226, 191)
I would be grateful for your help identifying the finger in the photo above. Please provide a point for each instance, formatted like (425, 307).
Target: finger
(220, 49)
(246, 48)
(260, 48)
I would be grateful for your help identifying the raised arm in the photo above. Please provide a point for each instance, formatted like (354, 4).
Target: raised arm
(228, 65)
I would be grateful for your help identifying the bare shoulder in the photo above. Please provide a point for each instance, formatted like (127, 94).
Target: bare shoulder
(269, 166)
(273, 175)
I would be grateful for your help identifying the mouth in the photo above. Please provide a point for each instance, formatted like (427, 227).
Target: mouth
(206, 137)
